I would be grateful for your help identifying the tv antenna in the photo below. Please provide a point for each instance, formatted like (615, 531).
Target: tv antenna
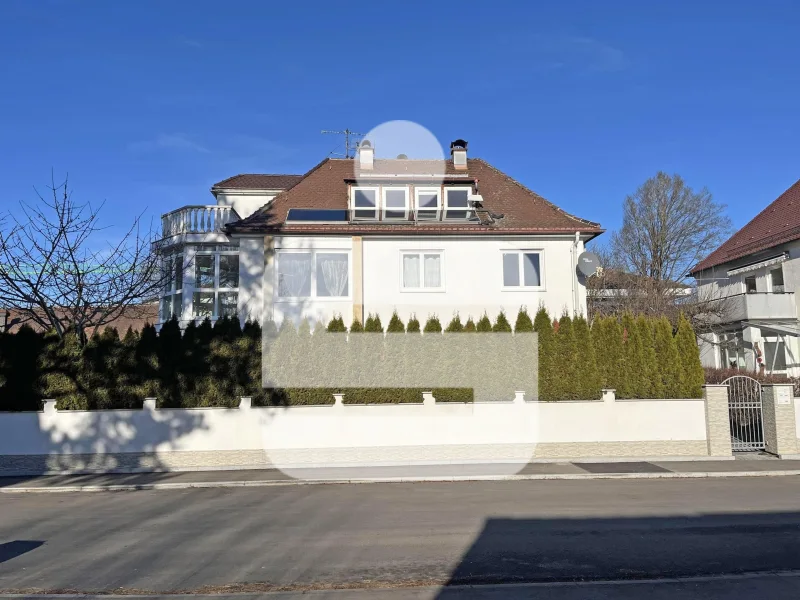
(351, 139)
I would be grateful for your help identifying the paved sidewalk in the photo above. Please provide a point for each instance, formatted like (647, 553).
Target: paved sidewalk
(745, 466)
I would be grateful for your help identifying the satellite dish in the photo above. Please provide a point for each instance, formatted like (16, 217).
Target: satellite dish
(588, 263)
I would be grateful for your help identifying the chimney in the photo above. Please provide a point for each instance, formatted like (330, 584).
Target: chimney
(458, 150)
(366, 154)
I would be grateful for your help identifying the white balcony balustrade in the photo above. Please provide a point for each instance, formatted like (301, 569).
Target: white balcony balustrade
(761, 305)
(197, 219)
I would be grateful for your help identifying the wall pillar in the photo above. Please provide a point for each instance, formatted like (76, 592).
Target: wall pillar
(718, 427)
(777, 409)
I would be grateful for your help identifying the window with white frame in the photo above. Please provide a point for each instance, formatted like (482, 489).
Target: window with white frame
(775, 355)
(522, 269)
(427, 203)
(313, 273)
(172, 297)
(216, 283)
(422, 271)
(776, 281)
(456, 203)
(364, 203)
(395, 203)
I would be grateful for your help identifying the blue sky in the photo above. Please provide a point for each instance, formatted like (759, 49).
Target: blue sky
(146, 103)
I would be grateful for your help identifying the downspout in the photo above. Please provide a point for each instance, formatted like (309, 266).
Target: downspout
(574, 255)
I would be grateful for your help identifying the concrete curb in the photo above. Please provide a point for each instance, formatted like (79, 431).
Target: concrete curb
(442, 479)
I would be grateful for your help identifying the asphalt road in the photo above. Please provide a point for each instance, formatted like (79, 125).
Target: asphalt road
(300, 538)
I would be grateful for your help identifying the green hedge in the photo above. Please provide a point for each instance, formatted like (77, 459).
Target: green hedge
(215, 365)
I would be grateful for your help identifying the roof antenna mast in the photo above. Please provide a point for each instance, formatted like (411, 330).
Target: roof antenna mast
(351, 139)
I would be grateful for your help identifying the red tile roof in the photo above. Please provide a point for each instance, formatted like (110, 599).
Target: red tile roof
(255, 181)
(326, 186)
(775, 225)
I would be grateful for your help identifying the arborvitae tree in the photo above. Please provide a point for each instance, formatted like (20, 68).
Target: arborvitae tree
(170, 352)
(543, 326)
(319, 327)
(455, 326)
(669, 364)
(566, 384)
(689, 353)
(61, 371)
(651, 380)
(251, 330)
(469, 326)
(432, 325)
(586, 365)
(638, 387)
(373, 324)
(502, 325)
(615, 352)
(356, 326)
(205, 332)
(395, 324)
(413, 325)
(626, 384)
(337, 325)
(524, 323)
(484, 324)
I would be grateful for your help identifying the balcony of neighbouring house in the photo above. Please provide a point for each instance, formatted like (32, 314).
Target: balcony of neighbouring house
(197, 223)
(761, 305)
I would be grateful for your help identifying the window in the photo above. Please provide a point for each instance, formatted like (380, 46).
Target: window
(522, 269)
(172, 299)
(457, 203)
(306, 274)
(395, 203)
(428, 203)
(776, 276)
(422, 271)
(750, 284)
(216, 283)
(364, 204)
(731, 350)
(775, 354)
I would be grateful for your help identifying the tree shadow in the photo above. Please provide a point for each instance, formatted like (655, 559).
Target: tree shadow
(13, 549)
(606, 549)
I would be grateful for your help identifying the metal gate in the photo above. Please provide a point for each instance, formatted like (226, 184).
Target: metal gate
(744, 411)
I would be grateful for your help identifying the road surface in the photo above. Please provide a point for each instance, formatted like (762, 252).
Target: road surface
(730, 537)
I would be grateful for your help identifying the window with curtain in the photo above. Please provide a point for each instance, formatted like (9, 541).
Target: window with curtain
(311, 274)
(522, 269)
(216, 283)
(422, 271)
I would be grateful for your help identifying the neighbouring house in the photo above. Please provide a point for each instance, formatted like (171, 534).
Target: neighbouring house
(613, 291)
(755, 276)
(134, 317)
(369, 235)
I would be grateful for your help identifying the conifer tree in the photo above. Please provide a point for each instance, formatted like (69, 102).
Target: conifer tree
(469, 326)
(543, 326)
(413, 325)
(502, 325)
(617, 368)
(566, 386)
(395, 324)
(356, 326)
(523, 323)
(587, 374)
(634, 358)
(484, 324)
(669, 365)
(651, 380)
(337, 325)
(373, 324)
(432, 325)
(455, 326)
(689, 353)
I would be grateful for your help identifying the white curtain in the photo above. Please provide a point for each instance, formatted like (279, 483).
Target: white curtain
(334, 273)
(433, 271)
(294, 275)
(411, 270)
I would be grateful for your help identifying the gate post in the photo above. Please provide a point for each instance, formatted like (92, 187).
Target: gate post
(718, 427)
(780, 429)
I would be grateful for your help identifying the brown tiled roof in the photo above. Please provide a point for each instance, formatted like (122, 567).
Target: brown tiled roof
(775, 225)
(326, 186)
(255, 181)
(135, 317)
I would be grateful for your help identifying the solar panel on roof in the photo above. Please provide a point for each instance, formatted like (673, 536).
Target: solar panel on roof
(327, 215)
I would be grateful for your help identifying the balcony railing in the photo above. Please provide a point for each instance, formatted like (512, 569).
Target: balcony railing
(762, 305)
(197, 219)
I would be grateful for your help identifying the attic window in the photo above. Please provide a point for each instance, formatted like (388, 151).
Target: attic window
(364, 203)
(428, 203)
(395, 203)
(457, 204)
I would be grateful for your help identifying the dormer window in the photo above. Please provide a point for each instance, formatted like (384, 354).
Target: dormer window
(457, 203)
(364, 203)
(428, 203)
(395, 203)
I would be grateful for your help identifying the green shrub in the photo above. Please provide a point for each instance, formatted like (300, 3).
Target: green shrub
(337, 325)
(413, 325)
(484, 324)
(669, 365)
(543, 326)
(689, 353)
(356, 326)
(469, 326)
(587, 375)
(373, 324)
(454, 326)
(395, 324)
(502, 325)
(433, 325)
(523, 323)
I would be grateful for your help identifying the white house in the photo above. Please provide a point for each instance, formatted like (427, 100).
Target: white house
(370, 235)
(755, 276)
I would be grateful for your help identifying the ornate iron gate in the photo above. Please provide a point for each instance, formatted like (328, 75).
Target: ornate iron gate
(744, 411)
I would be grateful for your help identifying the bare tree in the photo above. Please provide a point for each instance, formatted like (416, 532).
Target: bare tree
(58, 272)
(667, 228)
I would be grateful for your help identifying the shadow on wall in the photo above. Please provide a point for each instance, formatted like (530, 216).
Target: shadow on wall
(547, 550)
(93, 441)
(16, 548)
